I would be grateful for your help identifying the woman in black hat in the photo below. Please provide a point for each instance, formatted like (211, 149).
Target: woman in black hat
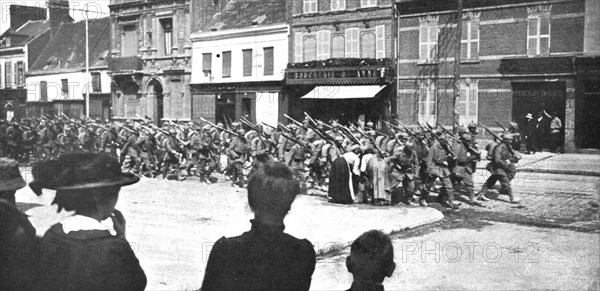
(81, 253)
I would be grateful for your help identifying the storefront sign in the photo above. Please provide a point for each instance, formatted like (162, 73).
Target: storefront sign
(372, 75)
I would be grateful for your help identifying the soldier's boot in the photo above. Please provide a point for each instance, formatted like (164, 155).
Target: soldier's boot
(451, 202)
(473, 199)
(481, 194)
(513, 199)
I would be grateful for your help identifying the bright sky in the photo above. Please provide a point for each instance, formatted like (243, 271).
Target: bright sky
(98, 8)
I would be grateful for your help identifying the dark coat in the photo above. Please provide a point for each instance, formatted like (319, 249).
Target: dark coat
(264, 258)
(88, 260)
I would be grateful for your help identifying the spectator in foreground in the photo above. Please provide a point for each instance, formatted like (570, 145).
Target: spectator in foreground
(17, 234)
(81, 252)
(264, 258)
(371, 260)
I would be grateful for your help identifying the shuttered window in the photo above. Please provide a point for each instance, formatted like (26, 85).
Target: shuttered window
(380, 41)
(268, 61)
(247, 62)
(538, 35)
(207, 64)
(470, 40)
(468, 102)
(323, 41)
(298, 47)
(352, 48)
(43, 91)
(428, 38)
(226, 64)
(427, 102)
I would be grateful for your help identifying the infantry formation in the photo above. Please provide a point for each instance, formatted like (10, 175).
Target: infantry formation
(353, 163)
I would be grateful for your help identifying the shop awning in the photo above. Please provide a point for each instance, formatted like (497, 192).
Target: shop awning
(343, 92)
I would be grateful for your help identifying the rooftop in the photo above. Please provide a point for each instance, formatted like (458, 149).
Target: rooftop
(247, 13)
(66, 51)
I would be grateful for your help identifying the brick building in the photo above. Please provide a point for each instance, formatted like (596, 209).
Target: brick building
(341, 59)
(151, 59)
(517, 57)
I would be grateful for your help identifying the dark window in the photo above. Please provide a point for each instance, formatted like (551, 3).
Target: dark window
(8, 74)
(65, 87)
(167, 30)
(1, 75)
(207, 64)
(247, 62)
(96, 85)
(268, 65)
(20, 73)
(227, 64)
(43, 91)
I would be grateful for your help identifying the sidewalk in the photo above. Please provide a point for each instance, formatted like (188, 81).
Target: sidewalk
(173, 225)
(567, 164)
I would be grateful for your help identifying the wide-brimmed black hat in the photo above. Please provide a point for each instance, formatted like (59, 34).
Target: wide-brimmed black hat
(78, 171)
(10, 176)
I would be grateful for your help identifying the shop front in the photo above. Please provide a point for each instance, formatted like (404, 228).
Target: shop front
(341, 89)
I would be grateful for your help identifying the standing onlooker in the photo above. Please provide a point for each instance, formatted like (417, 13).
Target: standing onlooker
(264, 258)
(18, 267)
(81, 252)
(540, 135)
(529, 134)
(371, 260)
(555, 133)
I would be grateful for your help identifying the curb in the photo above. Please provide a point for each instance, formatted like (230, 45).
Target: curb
(529, 169)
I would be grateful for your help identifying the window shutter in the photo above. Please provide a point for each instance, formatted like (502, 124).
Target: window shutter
(247, 62)
(341, 4)
(323, 48)
(206, 62)
(298, 47)
(380, 41)
(268, 61)
(338, 44)
(226, 71)
(43, 91)
(352, 42)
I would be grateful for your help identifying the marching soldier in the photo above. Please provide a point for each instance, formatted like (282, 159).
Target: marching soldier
(438, 160)
(404, 166)
(463, 169)
(147, 145)
(237, 153)
(171, 155)
(502, 168)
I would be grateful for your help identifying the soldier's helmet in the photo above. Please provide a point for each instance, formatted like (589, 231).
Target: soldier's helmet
(465, 137)
(220, 124)
(461, 129)
(472, 125)
(339, 138)
(513, 125)
(409, 145)
(370, 124)
(508, 136)
(241, 131)
(206, 127)
(172, 131)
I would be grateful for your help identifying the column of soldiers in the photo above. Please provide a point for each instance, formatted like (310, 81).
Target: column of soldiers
(396, 165)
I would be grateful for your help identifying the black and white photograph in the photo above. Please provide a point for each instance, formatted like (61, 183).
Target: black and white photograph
(299, 145)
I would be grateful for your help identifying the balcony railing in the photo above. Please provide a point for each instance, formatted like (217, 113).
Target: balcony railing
(125, 64)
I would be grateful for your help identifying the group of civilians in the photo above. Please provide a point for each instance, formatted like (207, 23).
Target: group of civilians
(543, 132)
(82, 253)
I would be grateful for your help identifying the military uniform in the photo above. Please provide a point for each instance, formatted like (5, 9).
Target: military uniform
(403, 167)
(237, 153)
(437, 167)
(502, 169)
(463, 169)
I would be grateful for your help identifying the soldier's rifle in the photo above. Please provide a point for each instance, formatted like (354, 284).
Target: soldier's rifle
(324, 135)
(264, 139)
(370, 138)
(217, 127)
(349, 134)
(295, 121)
(500, 125)
(470, 148)
(295, 140)
(285, 128)
(442, 142)
(510, 149)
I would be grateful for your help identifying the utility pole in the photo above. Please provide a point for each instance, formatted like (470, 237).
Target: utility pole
(87, 66)
(457, 53)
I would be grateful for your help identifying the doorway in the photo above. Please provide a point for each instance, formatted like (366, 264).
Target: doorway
(589, 129)
(155, 101)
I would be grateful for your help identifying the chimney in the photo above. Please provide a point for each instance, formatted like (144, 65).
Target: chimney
(58, 12)
(20, 14)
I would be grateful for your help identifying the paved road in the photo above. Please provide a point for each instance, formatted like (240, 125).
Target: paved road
(492, 256)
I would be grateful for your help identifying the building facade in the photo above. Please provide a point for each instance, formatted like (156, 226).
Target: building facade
(342, 56)
(150, 59)
(517, 57)
(239, 62)
(57, 82)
